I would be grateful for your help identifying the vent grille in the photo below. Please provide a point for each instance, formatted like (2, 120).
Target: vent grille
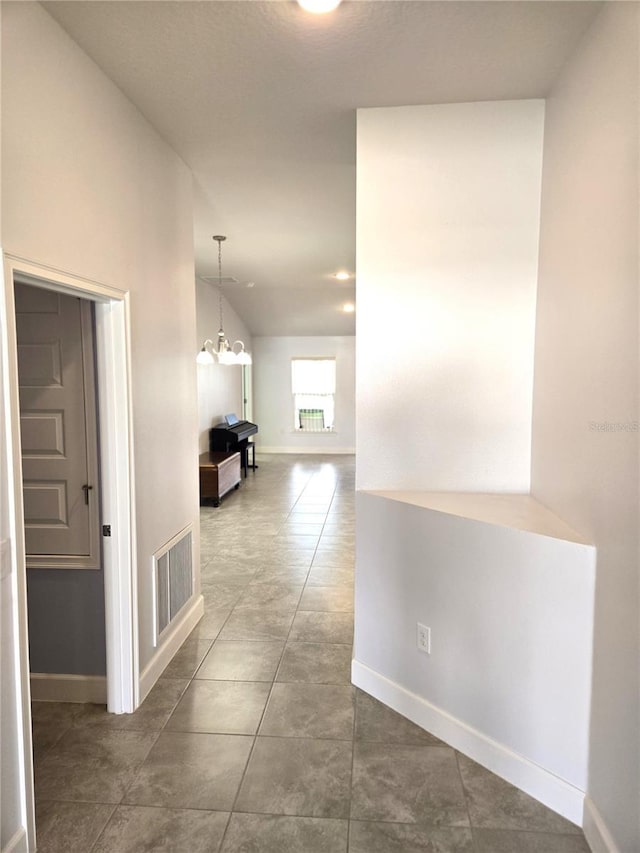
(173, 572)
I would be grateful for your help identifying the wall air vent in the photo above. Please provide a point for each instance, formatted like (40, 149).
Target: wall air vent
(173, 577)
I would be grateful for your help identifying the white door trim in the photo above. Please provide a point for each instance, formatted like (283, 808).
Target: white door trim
(117, 492)
(118, 500)
(16, 566)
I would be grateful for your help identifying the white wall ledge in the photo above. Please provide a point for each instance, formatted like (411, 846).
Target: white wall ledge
(519, 511)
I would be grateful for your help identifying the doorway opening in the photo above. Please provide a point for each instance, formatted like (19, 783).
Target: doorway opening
(116, 489)
(61, 492)
(112, 377)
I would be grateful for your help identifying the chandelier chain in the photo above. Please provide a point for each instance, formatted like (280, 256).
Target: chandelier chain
(220, 240)
(220, 279)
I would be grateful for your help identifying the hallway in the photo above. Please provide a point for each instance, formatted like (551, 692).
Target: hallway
(254, 740)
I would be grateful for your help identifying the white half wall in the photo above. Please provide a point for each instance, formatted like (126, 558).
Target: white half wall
(585, 405)
(447, 244)
(274, 406)
(219, 386)
(510, 610)
(91, 189)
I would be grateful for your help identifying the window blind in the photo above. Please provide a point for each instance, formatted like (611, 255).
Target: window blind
(313, 376)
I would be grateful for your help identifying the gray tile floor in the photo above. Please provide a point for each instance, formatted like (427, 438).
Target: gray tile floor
(254, 740)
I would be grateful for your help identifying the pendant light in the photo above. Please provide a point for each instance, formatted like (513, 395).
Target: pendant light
(224, 351)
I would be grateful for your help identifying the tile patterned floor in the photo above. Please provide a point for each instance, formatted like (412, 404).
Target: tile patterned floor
(253, 740)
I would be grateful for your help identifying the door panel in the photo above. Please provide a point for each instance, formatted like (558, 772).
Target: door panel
(59, 442)
(42, 433)
(45, 504)
(39, 365)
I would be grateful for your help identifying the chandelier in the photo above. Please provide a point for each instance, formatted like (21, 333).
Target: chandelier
(224, 351)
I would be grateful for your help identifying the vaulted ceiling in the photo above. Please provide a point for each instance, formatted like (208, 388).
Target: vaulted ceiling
(260, 99)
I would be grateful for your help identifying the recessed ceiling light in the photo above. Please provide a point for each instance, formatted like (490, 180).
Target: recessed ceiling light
(348, 308)
(342, 275)
(319, 7)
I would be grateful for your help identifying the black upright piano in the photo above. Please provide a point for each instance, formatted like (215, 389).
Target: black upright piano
(232, 435)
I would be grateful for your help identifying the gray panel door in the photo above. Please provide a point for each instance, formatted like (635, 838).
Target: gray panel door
(58, 428)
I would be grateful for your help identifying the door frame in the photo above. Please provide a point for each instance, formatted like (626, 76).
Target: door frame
(247, 392)
(117, 489)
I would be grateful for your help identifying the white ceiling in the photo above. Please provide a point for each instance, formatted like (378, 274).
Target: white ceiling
(259, 99)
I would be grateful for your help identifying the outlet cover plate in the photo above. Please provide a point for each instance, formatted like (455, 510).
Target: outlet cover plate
(424, 638)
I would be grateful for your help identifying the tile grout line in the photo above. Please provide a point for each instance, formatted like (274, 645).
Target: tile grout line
(274, 681)
(102, 831)
(353, 761)
(264, 710)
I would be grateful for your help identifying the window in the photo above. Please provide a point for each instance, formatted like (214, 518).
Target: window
(313, 383)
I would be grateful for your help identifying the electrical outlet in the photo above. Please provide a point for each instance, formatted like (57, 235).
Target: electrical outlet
(424, 638)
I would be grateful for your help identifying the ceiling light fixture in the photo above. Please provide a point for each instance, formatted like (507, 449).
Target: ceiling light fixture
(319, 7)
(348, 308)
(224, 351)
(342, 275)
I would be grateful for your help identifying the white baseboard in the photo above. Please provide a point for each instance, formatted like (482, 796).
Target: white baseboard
(314, 451)
(174, 639)
(62, 687)
(596, 831)
(18, 843)
(539, 783)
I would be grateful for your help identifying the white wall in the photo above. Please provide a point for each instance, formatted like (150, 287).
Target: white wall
(91, 189)
(498, 601)
(587, 372)
(447, 242)
(219, 386)
(273, 400)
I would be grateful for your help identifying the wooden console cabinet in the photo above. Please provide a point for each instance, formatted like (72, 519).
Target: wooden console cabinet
(219, 473)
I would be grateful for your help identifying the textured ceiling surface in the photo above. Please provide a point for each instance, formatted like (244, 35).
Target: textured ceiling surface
(260, 98)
